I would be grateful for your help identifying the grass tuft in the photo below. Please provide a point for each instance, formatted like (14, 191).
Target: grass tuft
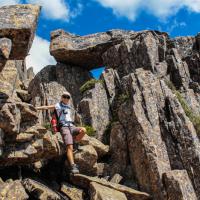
(89, 85)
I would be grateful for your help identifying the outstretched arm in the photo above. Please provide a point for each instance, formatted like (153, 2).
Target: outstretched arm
(51, 107)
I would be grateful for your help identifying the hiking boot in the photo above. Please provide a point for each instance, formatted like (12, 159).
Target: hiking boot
(74, 169)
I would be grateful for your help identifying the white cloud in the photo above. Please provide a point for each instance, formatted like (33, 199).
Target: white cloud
(39, 54)
(175, 24)
(8, 2)
(128, 8)
(161, 9)
(76, 11)
(56, 9)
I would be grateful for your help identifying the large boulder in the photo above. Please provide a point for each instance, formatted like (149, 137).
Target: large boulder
(86, 159)
(155, 119)
(18, 23)
(100, 148)
(15, 116)
(84, 51)
(100, 192)
(85, 181)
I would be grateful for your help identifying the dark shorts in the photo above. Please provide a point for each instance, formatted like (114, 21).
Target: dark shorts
(68, 133)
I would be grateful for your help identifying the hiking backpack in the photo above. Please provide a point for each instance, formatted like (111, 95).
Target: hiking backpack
(55, 126)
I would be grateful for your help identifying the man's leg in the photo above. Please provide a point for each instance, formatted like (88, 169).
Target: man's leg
(70, 155)
(81, 133)
(68, 140)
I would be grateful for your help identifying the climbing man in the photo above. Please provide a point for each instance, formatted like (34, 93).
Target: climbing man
(70, 133)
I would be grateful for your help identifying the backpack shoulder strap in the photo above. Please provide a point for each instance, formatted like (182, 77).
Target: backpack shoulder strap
(60, 111)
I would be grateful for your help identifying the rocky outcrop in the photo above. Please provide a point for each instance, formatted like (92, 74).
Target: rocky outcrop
(179, 185)
(94, 109)
(84, 51)
(145, 108)
(18, 23)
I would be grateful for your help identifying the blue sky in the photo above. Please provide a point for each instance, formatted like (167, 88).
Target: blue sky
(177, 17)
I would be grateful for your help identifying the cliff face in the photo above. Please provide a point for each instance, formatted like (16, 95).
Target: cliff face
(144, 111)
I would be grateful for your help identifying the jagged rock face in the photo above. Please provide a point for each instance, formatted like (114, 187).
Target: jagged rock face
(23, 140)
(84, 51)
(146, 49)
(94, 109)
(179, 185)
(118, 149)
(147, 150)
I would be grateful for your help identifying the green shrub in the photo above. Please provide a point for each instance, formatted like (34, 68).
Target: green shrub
(89, 85)
(90, 130)
(194, 118)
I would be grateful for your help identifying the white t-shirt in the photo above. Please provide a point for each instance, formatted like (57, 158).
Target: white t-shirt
(64, 117)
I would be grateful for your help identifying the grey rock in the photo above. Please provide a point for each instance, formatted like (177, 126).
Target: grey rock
(13, 190)
(18, 23)
(100, 192)
(94, 109)
(179, 186)
(39, 190)
(84, 51)
(85, 181)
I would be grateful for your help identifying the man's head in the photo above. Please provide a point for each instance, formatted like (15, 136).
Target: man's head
(65, 97)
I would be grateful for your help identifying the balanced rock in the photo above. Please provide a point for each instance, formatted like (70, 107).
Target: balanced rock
(18, 23)
(84, 51)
